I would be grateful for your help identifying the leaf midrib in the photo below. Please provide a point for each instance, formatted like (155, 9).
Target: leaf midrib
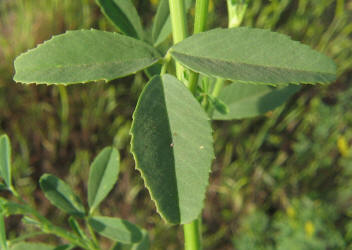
(244, 63)
(90, 64)
(72, 203)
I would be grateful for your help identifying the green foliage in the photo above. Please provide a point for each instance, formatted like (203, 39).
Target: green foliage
(13, 208)
(254, 56)
(102, 176)
(144, 244)
(5, 160)
(32, 246)
(219, 105)
(124, 16)
(305, 225)
(246, 100)
(116, 229)
(162, 23)
(61, 195)
(3, 242)
(66, 59)
(172, 145)
(126, 23)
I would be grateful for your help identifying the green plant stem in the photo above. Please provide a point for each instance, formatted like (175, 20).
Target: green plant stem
(25, 237)
(193, 80)
(201, 16)
(179, 27)
(200, 23)
(235, 14)
(218, 86)
(50, 228)
(165, 63)
(92, 234)
(192, 235)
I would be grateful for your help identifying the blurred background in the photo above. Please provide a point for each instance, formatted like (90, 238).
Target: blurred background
(280, 181)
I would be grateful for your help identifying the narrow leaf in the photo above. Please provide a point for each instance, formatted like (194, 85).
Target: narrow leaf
(254, 56)
(246, 100)
(5, 160)
(123, 15)
(3, 241)
(103, 176)
(116, 229)
(30, 221)
(32, 246)
(172, 147)
(162, 22)
(12, 208)
(82, 56)
(61, 195)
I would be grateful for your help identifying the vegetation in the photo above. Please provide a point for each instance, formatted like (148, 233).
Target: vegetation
(254, 168)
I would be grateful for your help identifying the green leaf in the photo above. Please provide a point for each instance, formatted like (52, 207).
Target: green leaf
(82, 56)
(61, 195)
(162, 22)
(32, 246)
(172, 147)
(123, 15)
(3, 241)
(12, 208)
(219, 105)
(102, 176)
(5, 160)
(246, 100)
(30, 221)
(144, 244)
(254, 56)
(116, 229)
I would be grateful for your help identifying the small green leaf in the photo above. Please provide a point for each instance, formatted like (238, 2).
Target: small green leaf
(254, 56)
(162, 22)
(116, 229)
(61, 195)
(247, 100)
(30, 221)
(5, 160)
(144, 244)
(82, 56)
(124, 16)
(32, 246)
(12, 208)
(103, 176)
(172, 146)
(3, 241)
(219, 105)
